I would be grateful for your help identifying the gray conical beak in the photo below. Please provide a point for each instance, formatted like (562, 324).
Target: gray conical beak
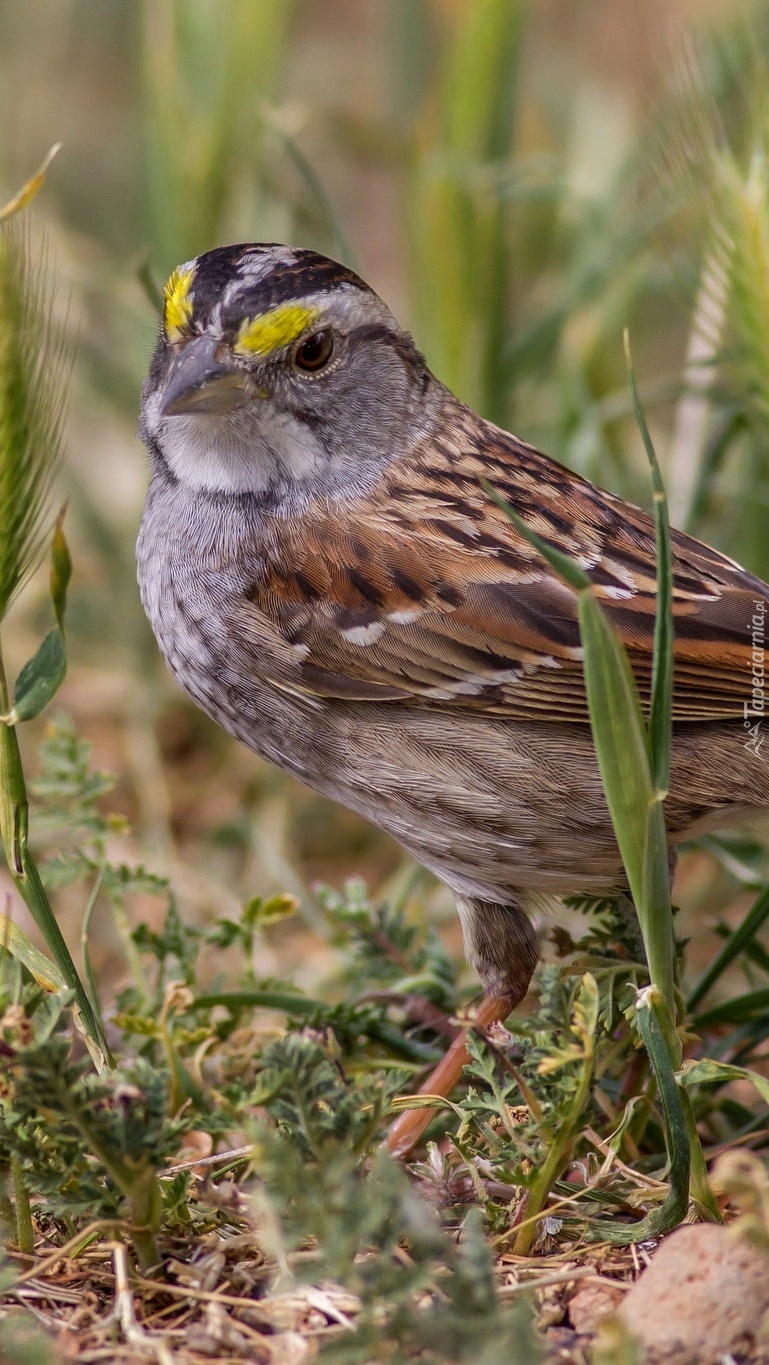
(201, 382)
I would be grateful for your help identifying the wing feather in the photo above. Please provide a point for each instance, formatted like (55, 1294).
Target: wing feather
(431, 597)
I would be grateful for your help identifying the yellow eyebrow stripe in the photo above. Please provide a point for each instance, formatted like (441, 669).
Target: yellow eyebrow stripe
(178, 304)
(270, 331)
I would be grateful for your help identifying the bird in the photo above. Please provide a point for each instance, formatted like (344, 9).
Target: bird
(329, 577)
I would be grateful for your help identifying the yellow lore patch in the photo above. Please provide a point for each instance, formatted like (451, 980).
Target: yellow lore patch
(178, 304)
(270, 331)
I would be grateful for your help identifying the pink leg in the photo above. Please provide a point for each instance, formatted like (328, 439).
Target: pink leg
(409, 1126)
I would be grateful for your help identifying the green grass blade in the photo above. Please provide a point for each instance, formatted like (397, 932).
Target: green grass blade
(652, 1028)
(36, 684)
(634, 802)
(735, 944)
(620, 740)
(16, 942)
(13, 828)
(562, 564)
(634, 766)
(746, 1006)
(23, 870)
(622, 749)
(660, 716)
(304, 1007)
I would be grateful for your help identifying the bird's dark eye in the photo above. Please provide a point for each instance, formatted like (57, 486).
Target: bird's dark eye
(315, 351)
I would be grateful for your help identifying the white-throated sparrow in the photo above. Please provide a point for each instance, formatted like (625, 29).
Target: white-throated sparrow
(327, 578)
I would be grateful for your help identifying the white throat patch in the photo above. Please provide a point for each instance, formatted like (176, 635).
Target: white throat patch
(247, 451)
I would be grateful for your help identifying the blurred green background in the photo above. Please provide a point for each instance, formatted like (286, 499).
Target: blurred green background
(519, 181)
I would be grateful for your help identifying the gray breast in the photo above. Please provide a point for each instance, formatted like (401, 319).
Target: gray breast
(197, 559)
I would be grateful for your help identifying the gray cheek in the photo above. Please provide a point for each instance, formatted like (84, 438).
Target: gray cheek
(371, 415)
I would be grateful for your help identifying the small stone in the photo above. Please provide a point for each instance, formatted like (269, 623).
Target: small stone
(591, 1303)
(704, 1294)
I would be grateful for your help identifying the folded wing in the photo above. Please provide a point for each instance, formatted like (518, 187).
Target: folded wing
(433, 598)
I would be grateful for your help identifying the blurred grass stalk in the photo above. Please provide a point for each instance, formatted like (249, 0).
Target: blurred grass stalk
(742, 238)
(718, 162)
(207, 73)
(33, 371)
(456, 220)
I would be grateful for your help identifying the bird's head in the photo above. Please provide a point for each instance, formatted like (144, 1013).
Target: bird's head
(279, 372)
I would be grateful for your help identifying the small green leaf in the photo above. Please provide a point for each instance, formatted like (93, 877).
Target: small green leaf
(708, 1072)
(39, 679)
(144, 1025)
(261, 912)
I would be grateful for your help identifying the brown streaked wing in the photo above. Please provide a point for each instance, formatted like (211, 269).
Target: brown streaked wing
(437, 600)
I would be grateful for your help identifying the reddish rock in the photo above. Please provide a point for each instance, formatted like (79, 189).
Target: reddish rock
(704, 1295)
